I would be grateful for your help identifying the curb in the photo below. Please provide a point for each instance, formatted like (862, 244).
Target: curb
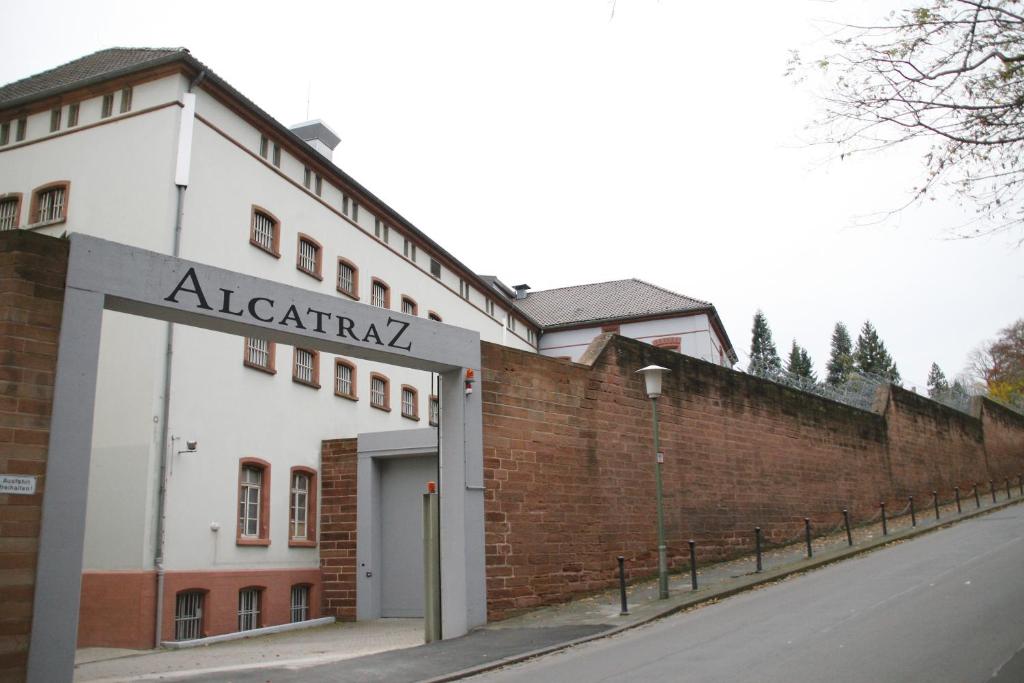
(745, 584)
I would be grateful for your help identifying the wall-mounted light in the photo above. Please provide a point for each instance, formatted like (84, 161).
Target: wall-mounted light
(470, 378)
(190, 445)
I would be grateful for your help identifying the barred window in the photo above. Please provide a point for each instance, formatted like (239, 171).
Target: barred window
(188, 615)
(309, 256)
(306, 368)
(265, 231)
(344, 378)
(409, 306)
(300, 603)
(249, 609)
(50, 203)
(379, 391)
(410, 402)
(380, 294)
(10, 211)
(348, 278)
(259, 354)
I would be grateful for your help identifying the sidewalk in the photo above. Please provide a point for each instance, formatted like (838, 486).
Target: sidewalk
(342, 652)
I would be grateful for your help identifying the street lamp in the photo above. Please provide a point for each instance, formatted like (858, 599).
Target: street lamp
(652, 382)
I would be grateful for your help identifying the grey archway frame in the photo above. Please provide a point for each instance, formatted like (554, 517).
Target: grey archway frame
(107, 275)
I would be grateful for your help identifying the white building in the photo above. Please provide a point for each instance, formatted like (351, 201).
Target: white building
(150, 148)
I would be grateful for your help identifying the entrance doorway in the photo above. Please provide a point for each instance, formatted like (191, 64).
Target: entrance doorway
(402, 484)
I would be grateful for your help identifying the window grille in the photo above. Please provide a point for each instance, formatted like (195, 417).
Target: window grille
(248, 609)
(249, 501)
(408, 402)
(300, 603)
(263, 231)
(343, 379)
(257, 352)
(435, 411)
(408, 306)
(50, 206)
(299, 505)
(188, 616)
(308, 253)
(378, 392)
(379, 295)
(73, 115)
(9, 213)
(304, 366)
(346, 278)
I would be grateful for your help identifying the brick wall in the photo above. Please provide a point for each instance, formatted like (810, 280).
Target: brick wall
(32, 273)
(338, 462)
(568, 458)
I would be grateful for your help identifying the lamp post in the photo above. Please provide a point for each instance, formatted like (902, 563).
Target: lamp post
(652, 381)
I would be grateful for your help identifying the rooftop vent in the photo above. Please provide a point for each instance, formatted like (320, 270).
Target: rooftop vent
(521, 290)
(318, 136)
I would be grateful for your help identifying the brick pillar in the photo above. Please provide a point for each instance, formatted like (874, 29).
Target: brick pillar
(32, 273)
(338, 467)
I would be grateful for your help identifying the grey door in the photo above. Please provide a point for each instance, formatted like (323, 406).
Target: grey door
(403, 481)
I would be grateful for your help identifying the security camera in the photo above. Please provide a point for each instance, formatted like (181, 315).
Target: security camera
(191, 445)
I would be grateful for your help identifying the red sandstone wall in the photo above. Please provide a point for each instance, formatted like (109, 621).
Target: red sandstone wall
(568, 459)
(338, 461)
(32, 272)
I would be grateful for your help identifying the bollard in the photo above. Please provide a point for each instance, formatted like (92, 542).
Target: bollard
(956, 490)
(885, 526)
(757, 544)
(846, 522)
(807, 535)
(1007, 488)
(935, 502)
(977, 498)
(431, 564)
(913, 517)
(1020, 482)
(622, 585)
(992, 487)
(693, 564)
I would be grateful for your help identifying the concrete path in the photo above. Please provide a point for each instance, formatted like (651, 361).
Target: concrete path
(388, 653)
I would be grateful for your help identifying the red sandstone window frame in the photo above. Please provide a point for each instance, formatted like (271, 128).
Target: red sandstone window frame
(315, 372)
(433, 315)
(318, 256)
(37, 195)
(386, 405)
(353, 395)
(203, 598)
(262, 537)
(261, 606)
(16, 197)
(309, 601)
(670, 343)
(310, 540)
(271, 367)
(275, 248)
(377, 282)
(414, 414)
(412, 305)
(351, 293)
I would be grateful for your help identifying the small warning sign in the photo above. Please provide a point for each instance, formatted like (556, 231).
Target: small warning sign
(19, 485)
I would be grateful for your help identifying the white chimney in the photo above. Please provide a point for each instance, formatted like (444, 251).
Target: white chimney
(318, 136)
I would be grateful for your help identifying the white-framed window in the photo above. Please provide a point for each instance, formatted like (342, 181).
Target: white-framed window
(435, 411)
(249, 501)
(188, 615)
(409, 250)
(410, 402)
(379, 391)
(5, 132)
(318, 184)
(264, 146)
(308, 259)
(259, 353)
(55, 115)
(355, 210)
(300, 603)
(306, 367)
(409, 306)
(344, 378)
(73, 115)
(249, 609)
(277, 155)
(531, 336)
(510, 322)
(464, 289)
(435, 268)
(50, 203)
(381, 230)
(380, 294)
(298, 528)
(307, 176)
(490, 307)
(10, 212)
(21, 130)
(348, 278)
(126, 99)
(108, 106)
(344, 203)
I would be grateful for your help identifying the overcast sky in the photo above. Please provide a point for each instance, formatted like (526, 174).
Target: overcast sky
(553, 144)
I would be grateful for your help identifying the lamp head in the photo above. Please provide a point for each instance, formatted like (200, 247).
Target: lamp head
(652, 379)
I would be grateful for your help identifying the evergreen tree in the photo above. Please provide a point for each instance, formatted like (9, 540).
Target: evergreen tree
(937, 384)
(764, 357)
(799, 362)
(871, 356)
(840, 361)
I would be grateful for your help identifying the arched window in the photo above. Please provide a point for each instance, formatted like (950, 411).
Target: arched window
(265, 231)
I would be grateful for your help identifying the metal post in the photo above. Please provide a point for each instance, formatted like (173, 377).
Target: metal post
(885, 525)
(935, 502)
(956, 490)
(913, 515)
(622, 585)
(1007, 488)
(431, 565)
(807, 535)
(757, 546)
(693, 564)
(846, 522)
(992, 488)
(662, 550)
(977, 498)
(1020, 482)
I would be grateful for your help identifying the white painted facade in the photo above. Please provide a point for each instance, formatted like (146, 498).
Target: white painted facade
(694, 333)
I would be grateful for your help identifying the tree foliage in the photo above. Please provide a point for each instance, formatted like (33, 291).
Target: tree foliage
(871, 356)
(799, 362)
(937, 384)
(764, 357)
(1005, 375)
(840, 361)
(950, 72)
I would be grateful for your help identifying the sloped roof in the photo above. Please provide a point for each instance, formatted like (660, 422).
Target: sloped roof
(98, 66)
(604, 301)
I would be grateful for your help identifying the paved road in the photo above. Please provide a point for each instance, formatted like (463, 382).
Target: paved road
(945, 607)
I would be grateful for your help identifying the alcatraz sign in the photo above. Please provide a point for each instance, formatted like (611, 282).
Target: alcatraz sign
(190, 291)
